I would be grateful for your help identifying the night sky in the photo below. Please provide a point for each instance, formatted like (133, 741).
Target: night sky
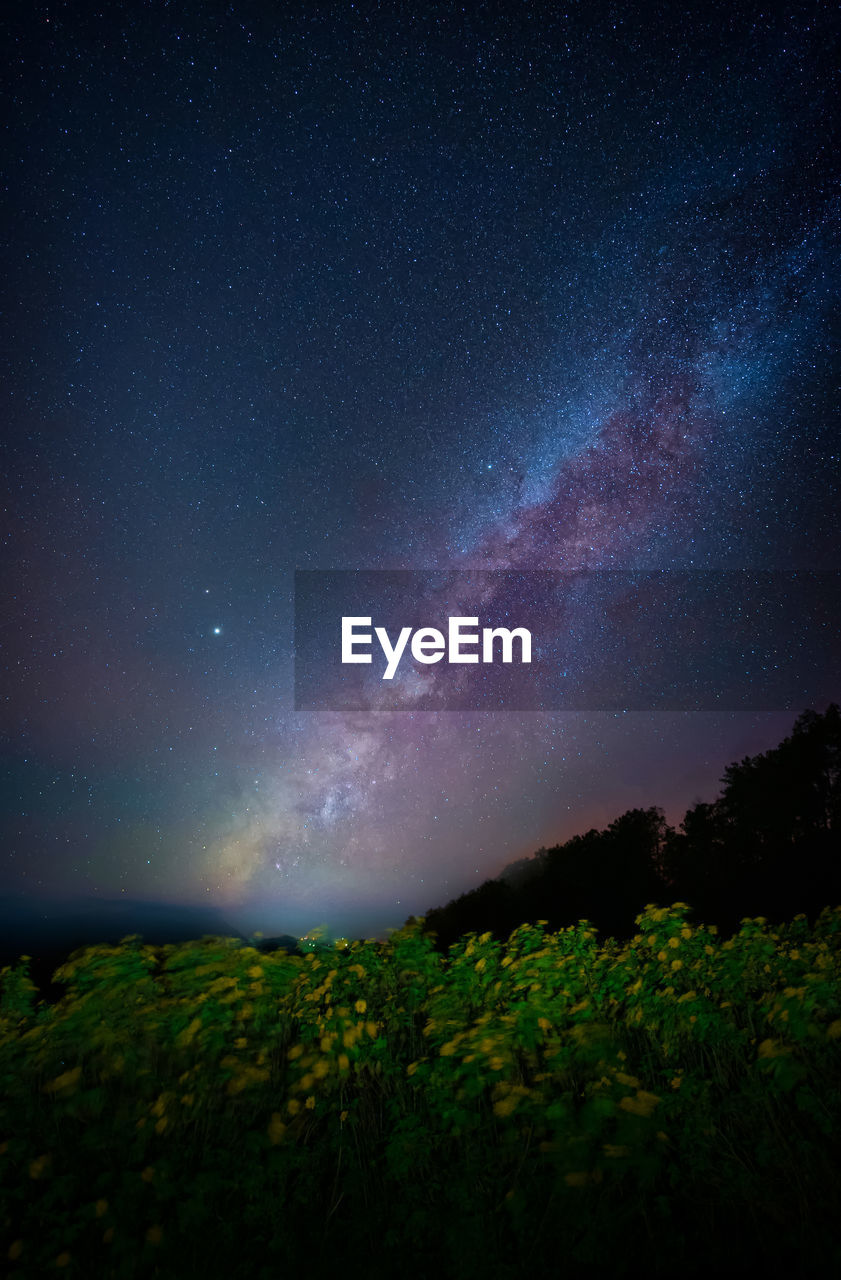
(351, 286)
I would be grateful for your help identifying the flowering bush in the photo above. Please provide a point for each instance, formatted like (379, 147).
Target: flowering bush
(205, 1109)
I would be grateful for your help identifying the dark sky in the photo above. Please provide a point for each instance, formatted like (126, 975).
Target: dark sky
(359, 286)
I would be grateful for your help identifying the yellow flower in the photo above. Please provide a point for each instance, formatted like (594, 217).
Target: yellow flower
(677, 964)
(101, 1207)
(676, 1081)
(411, 1069)
(371, 1028)
(63, 1260)
(771, 1049)
(154, 1235)
(15, 1250)
(631, 1081)
(293, 1106)
(505, 1105)
(255, 971)
(642, 1105)
(185, 1037)
(361, 1006)
(148, 1173)
(662, 956)
(834, 1029)
(674, 942)
(37, 1167)
(310, 1103)
(344, 1062)
(64, 1083)
(276, 1128)
(343, 1117)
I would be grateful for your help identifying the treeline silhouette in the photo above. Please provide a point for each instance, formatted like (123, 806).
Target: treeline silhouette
(769, 845)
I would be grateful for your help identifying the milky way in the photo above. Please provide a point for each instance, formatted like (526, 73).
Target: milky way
(346, 290)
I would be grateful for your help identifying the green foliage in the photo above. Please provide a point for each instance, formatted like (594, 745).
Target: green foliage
(17, 992)
(204, 1109)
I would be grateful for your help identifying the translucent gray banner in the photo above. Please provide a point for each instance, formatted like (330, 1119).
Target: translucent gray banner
(605, 640)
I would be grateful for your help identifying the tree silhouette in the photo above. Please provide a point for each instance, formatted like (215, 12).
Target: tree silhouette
(768, 845)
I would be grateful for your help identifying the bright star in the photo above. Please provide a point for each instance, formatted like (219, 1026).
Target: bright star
(217, 631)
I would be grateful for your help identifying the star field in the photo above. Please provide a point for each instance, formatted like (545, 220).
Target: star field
(344, 287)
